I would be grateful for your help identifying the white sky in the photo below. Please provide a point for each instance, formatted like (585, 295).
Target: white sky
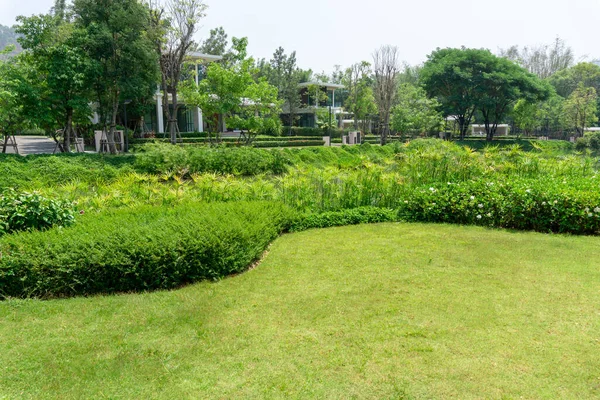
(329, 32)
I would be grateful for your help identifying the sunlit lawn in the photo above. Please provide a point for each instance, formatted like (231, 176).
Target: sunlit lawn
(375, 311)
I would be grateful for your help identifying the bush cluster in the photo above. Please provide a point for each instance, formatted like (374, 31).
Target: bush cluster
(161, 158)
(139, 249)
(288, 143)
(353, 216)
(590, 141)
(543, 205)
(21, 211)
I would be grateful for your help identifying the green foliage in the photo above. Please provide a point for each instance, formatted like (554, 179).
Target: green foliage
(139, 249)
(21, 211)
(353, 216)
(162, 158)
(543, 205)
(581, 108)
(230, 91)
(360, 101)
(466, 80)
(415, 113)
(43, 171)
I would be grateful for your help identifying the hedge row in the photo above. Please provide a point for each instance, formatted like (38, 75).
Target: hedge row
(289, 143)
(139, 249)
(224, 139)
(353, 216)
(161, 158)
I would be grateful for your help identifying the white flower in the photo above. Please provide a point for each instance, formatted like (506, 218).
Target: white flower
(590, 215)
(480, 205)
(472, 197)
(555, 201)
(597, 210)
(489, 214)
(432, 189)
(405, 201)
(479, 216)
(449, 183)
(543, 203)
(586, 209)
(528, 191)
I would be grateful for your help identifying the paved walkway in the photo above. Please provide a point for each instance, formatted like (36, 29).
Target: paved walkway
(32, 145)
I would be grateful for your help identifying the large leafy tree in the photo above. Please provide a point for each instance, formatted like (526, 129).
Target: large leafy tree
(172, 30)
(450, 75)
(359, 84)
(11, 105)
(581, 108)
(414, 112)
(216, 44)
(567, 80)
(499, 84)
(284, 74)
(122, 59)
(54, 91)
(231, 93)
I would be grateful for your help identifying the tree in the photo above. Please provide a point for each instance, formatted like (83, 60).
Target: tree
(173, 30)
(59, 10)
(56, 95)
(568, 80)
(231, 93)
(216, 44)
(386, 69)
(258, 112)
(415, 113)
(543, 61)
(11, 106)
(284, 74)
(449, 75)
(581, 107)
(120, 53)
(360, 101)
(526, 116)
(500, 83)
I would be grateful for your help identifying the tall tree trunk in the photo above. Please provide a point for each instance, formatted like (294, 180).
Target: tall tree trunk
(110, 136)
(173, 119)
(67, 132)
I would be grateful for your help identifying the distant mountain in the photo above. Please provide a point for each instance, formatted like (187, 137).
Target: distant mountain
(8, 37)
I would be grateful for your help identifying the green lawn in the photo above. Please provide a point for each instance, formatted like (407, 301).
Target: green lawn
(390, 311)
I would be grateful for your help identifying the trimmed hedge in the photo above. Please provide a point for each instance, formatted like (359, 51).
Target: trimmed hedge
(161, 158)
(313, 132)
(353, 216)
(289, 143)
(139, 249)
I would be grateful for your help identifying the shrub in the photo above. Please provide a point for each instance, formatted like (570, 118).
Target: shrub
(543, 205)
(162, 158)
(139, 249)
(353, 216)
(20, 211)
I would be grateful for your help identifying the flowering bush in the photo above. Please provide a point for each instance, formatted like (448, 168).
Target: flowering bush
(543, 205)
(32, 211)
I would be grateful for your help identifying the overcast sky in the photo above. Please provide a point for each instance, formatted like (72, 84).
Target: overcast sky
(329, 32)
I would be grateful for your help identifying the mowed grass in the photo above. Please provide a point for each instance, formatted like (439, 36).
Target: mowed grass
(390, 311)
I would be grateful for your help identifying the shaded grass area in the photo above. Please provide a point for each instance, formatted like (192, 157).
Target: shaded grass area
(374, 311)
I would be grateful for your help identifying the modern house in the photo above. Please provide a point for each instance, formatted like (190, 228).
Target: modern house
(311, 101)
(189, 119)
